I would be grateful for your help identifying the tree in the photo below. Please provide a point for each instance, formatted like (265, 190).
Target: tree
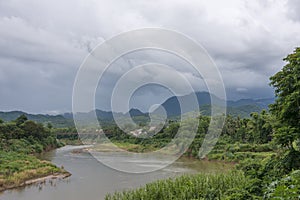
(37, 131)
(21, 119)
(49, 125)
(260, 127)
(287, 105)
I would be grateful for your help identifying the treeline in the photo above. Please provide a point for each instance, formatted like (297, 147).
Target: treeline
(258, 129)
(20, 140)
(25, 136)
(58, 121)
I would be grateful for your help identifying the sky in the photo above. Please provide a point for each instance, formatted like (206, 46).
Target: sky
(43, 44)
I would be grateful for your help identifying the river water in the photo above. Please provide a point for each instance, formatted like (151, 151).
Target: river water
(92, 180)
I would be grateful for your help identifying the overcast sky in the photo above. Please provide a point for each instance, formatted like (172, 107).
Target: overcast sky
(43, 43)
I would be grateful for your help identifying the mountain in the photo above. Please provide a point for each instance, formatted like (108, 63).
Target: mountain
(136, 112)
(107, 117)
(262, 103)
(172, 105)
(56, 120)
(237, 111)
(242, 107)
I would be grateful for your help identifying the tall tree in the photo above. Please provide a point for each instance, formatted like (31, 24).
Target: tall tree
(287, 105)
(260, 127)
(21, 119)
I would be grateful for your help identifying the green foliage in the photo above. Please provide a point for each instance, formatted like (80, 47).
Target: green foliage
(57, 120)
(21, 119)
(286, 135)
(10, 131)
(265, 173)
(49, 125)
(238, 152)
(287, 187)
(260, 127)
(200, 186)
(14, 162)
(287, 105)
(16, 168)
(252, 142)
(238, 194)
(26, 136)
(289, 161)
(19, 139)
(242, 111)
(257, 129)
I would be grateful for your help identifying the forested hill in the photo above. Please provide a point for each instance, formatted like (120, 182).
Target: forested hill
(242, 108)
(56, 120)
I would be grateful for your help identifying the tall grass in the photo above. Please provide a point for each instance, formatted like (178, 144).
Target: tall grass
(200, 186)
(16, 168)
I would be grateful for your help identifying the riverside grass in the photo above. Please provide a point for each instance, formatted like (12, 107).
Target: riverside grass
(17, 168)
(199, 186)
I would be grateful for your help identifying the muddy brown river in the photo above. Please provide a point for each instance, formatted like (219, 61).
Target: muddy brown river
(92, 180)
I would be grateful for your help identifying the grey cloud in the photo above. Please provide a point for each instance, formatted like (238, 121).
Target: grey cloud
(293, 11)
(42, 44)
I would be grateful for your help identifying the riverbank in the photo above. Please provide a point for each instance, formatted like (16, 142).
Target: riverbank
(229, 185)
(19, 170)
(91, 177)
(40, 180)
(228, 153)
(204, 165)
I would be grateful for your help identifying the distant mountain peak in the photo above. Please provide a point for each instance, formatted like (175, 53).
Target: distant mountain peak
(241, 107)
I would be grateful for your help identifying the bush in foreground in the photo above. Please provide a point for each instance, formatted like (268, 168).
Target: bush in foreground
(201, 186)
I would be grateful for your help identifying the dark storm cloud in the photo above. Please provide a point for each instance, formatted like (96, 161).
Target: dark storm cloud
(44, 42)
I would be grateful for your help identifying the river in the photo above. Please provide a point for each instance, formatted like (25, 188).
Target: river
(92, 180)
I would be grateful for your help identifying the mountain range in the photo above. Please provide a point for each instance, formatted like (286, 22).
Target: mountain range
(241, 108)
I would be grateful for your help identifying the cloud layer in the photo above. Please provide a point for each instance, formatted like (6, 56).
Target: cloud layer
(43, 43)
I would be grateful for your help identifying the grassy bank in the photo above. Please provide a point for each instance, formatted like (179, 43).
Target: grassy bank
(18, 169)
(236, 152)
(201, 186)
(20, 141)
(222, 151)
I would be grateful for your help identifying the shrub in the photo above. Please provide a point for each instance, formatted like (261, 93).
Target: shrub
(200, 186)
(286, 188)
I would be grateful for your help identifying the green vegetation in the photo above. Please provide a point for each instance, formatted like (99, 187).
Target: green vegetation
(242, 111)
(266, 148)
(17, 168)
(287, 187)
(26, 136)
(19, 141)
(57, 120)
(201, 186)
(286, 108)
